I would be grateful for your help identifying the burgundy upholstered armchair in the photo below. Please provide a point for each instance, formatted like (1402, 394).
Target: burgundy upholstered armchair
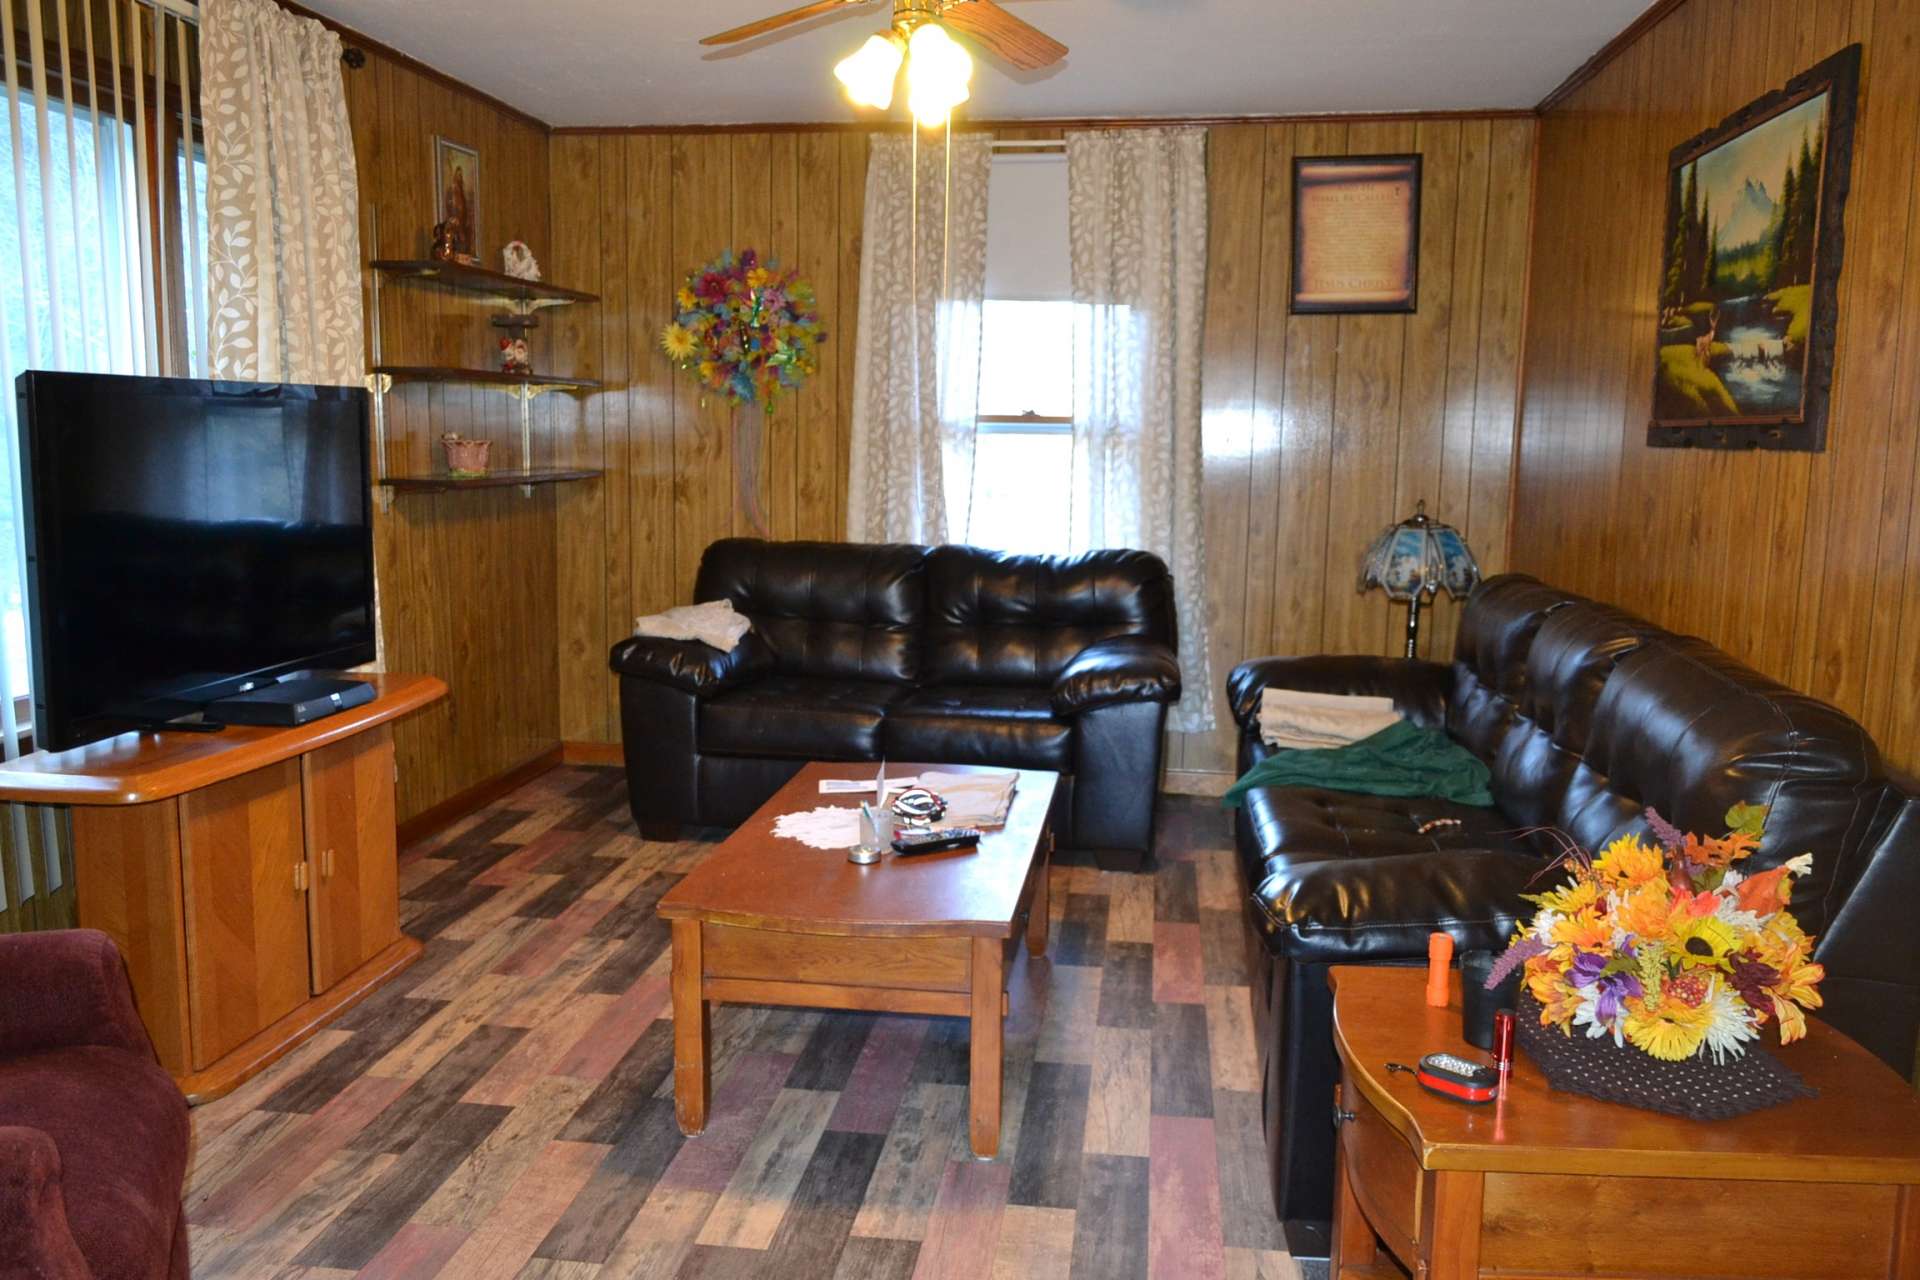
(93, 1133)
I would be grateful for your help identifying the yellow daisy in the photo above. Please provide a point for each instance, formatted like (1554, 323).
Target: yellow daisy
(1629, 862)
(1704, 942)
(677, 342)
(1672, 1032)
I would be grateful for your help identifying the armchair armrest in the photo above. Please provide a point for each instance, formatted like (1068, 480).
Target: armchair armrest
(1368, 910)
(1123, 669)
(66, 987)
(1418, 688)
(691, 666)
(39, 1241)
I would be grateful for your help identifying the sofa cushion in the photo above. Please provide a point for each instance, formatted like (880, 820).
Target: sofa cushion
(1297, 825)
(120, 1126)
(850, 611)
(1018, 620)
(977, 724)
(799, 717)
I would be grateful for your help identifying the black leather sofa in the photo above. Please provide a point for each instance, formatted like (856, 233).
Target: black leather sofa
(947, 655)
(1586, 715)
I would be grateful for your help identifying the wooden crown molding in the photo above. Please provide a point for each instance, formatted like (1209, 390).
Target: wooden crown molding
(1655, 14)
(1050, 124)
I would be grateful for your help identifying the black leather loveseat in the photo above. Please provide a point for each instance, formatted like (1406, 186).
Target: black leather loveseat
(947, 655)
(1586, 716)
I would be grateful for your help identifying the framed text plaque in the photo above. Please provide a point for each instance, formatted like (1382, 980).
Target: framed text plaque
(1356, 233)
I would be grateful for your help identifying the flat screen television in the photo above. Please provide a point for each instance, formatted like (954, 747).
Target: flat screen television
(186, 541)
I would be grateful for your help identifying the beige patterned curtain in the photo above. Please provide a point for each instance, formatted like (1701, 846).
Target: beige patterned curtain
(1137, 224)
(283, 244)
(917, 364)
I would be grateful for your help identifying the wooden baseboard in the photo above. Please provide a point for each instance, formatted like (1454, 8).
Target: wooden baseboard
(451, 810)
(595, 753)
(1195, 782)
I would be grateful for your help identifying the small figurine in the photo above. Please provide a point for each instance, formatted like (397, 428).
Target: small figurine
(519, 261)
(514, 357)
(442, 250)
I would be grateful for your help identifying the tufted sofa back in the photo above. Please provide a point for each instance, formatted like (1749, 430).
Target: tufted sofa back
(1588, 715)
(850, 611)
(1006, 619)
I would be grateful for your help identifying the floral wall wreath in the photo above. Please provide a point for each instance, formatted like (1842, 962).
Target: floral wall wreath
(745, 329)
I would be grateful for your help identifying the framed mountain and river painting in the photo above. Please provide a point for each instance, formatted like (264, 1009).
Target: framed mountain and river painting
(1751, 266)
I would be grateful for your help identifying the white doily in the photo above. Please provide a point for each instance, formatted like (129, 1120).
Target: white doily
(827, 827)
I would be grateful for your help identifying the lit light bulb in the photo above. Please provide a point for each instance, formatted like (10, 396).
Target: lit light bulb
(869, 71)
(937, 75)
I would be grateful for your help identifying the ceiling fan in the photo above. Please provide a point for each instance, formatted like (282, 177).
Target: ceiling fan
(985, 23)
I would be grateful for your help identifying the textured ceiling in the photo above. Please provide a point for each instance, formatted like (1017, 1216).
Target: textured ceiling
(613, 62)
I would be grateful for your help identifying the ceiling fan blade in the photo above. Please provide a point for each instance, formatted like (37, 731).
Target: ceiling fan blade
(1003, 35)
(779, 20)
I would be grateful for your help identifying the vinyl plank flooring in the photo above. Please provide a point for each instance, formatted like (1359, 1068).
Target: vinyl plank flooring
(504, 1108)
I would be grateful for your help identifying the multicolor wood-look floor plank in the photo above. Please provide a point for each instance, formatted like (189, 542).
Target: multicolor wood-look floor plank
(505, 1108)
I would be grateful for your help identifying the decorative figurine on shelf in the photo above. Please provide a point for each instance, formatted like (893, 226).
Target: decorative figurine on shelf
(442, 250)
(466, 459)
(514, 357)
(519, 261)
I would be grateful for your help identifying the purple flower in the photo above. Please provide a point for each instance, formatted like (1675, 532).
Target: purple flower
(1522, 950)
(1670, 837)
(1615, 988)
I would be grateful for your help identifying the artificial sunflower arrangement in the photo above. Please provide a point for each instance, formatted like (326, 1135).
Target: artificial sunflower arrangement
(1670, 947)
(745, 329)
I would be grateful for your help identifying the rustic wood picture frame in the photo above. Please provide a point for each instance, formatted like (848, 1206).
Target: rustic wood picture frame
(1355, 171)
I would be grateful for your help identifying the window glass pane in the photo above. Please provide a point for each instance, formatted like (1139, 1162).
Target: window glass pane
(1026, 359)
(1020, 493)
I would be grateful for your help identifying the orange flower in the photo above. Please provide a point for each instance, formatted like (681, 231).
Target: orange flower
(1765, 893)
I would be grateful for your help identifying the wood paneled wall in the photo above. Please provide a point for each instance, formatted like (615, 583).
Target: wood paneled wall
(1319, 430)
(1805, 565)
(467, 580)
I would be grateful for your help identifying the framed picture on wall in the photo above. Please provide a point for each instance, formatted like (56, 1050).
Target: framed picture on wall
(1356, 233)
(1750, 268)
(456, 195)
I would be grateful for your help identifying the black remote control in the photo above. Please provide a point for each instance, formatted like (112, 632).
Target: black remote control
(909, 843)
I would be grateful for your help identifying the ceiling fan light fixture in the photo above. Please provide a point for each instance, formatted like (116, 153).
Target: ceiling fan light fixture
(868, 72)
(938, 72)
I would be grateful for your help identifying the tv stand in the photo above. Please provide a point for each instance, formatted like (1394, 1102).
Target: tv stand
(248, 877)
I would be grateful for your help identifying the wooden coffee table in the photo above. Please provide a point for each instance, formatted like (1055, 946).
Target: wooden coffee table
(765, 920)
(1552, 1184)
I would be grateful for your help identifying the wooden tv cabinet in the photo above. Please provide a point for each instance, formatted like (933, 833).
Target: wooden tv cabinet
(248, 876)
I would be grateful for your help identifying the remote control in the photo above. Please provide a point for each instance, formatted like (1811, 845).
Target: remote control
(909, 843)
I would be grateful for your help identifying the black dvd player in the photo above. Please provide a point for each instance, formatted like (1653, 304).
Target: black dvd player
(293, 701)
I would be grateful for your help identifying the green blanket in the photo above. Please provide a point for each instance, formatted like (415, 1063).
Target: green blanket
(1400, 760)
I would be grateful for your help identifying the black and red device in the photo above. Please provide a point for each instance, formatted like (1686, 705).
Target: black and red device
(1462, 1079)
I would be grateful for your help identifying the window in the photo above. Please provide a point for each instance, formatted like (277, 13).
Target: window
(1023, 451)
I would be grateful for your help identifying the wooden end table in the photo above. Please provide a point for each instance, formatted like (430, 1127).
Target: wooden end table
(765, 920)
(1549, 1184)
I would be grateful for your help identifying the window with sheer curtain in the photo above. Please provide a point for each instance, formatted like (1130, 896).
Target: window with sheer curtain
(102, 264)
(1023, 451)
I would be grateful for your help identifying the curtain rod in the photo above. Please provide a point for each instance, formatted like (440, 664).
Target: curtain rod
(1029, 144)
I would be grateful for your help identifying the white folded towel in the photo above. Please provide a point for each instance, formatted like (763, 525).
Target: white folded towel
(1314, 721)
(973, 799)
(714, 623)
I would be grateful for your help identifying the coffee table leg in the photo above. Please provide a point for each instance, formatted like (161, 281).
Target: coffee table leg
(1041, 907)
(690, 1061)
(983, 1086)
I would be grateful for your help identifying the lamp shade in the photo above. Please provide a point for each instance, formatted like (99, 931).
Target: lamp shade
(1419, 556)
(868, 72)
(938, 70)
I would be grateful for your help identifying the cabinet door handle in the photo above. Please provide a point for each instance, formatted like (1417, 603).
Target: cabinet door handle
(326, 864)
(299, 877)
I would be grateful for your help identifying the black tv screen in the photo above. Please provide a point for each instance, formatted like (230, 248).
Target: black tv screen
(187, 540)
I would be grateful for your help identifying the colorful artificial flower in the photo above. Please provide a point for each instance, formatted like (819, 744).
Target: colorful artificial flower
(745, 329)
(1669, 947)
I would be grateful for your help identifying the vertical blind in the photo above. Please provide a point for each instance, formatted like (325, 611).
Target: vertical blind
(102, 269)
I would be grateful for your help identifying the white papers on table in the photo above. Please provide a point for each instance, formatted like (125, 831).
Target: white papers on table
(979, 799)
(863, 787)
(828, 827)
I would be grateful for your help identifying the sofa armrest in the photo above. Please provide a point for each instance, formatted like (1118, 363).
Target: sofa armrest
(691, 666)
(37, 1240)
(1365, 910)
(1123, 669)
(1419, 689)
(66, 987)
